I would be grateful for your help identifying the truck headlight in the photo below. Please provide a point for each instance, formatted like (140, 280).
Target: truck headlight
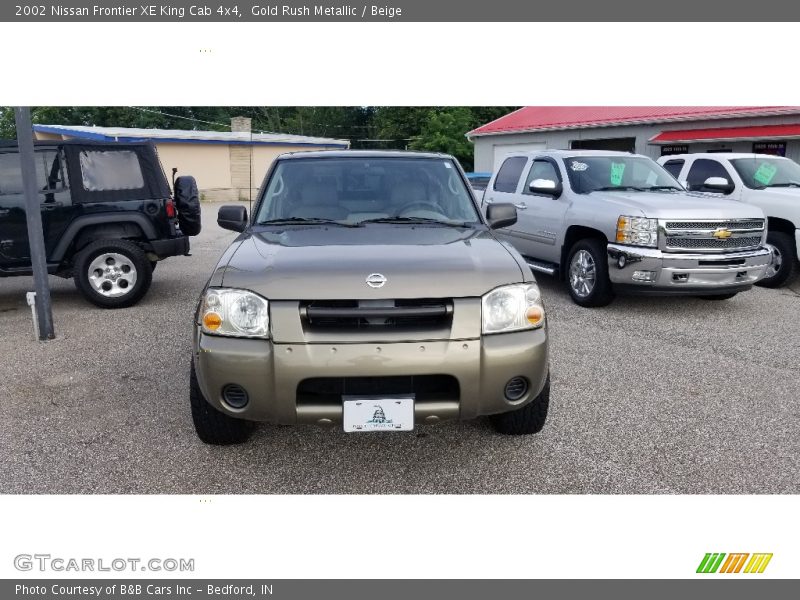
(511, 308)
(236, 313)
(637, 231)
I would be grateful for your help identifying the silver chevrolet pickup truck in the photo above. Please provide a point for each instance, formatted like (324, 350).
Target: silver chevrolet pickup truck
(613, 221)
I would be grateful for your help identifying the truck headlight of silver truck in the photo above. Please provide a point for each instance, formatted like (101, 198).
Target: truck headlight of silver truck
(637, 231)
(235, 313)
(512, 308)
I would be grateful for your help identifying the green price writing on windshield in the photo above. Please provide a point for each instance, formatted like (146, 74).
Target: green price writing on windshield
(617, 169)
(765, 173)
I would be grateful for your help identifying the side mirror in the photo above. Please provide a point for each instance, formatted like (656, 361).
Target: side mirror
(718, 184)
(546, 187)
(232, 217)
(501, 214)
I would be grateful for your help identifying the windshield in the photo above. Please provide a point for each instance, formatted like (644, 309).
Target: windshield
(354, 191)
(597, 173)
(761, 172)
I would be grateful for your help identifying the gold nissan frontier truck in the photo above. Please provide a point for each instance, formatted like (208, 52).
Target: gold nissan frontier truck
(367, 290)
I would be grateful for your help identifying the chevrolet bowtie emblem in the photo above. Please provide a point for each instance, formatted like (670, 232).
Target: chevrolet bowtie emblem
(722, 234)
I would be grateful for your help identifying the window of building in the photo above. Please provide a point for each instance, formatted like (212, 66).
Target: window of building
(627, 144)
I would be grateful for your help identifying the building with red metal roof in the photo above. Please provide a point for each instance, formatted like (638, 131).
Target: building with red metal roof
(650, 130)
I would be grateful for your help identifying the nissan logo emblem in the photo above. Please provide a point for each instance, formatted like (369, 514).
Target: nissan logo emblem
(376, 280)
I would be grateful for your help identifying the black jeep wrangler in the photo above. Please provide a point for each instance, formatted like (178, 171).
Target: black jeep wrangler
(108, 216)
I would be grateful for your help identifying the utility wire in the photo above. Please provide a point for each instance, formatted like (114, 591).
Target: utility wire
(158, 112)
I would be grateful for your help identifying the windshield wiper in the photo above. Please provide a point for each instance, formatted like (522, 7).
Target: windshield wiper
(306, 221)
(661, 188)
(413, 220)
(787, 184)
(612, 188)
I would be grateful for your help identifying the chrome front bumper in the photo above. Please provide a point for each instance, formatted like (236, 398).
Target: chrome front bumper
(677, 273)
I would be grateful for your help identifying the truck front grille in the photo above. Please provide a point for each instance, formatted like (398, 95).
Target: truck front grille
(375, 314)
(710, 236)
(747, 225)
(713, 244)
(329, 390)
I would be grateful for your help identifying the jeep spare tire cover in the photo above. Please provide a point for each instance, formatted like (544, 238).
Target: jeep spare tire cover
(188, 201)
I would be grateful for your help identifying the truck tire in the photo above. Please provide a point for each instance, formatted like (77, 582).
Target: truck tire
(785, 264)
(526, 420)
(587, 274)
(112, 273)
(212, 426)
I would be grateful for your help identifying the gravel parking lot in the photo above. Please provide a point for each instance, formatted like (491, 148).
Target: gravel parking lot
(650, 395)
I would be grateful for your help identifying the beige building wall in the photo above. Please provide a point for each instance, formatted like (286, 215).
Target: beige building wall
(209, 164)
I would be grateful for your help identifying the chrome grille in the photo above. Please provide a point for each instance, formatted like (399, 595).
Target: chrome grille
(699, 236)
(713, 244)
(732, 225)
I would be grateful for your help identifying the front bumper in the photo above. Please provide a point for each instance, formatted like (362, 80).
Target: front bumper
(271, 373)
(685, 273)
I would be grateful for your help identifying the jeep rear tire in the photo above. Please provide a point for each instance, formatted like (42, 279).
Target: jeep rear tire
(587, 273)
(212, 426)
(784, 265)
(528, 419)
(112, 273)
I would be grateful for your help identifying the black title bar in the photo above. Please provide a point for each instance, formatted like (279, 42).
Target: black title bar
(402, 10)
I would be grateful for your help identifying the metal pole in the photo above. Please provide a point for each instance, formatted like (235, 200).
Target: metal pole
(44, 311)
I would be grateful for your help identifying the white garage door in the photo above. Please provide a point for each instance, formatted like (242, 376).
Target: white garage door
(501, 150)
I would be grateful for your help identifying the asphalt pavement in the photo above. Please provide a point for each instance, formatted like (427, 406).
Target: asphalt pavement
(649, 395)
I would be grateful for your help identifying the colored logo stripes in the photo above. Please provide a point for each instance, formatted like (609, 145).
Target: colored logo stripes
(734, 563)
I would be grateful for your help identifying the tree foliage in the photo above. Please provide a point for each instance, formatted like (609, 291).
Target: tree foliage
(432, 128)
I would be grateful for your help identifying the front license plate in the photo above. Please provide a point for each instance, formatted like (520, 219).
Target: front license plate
(378, 413)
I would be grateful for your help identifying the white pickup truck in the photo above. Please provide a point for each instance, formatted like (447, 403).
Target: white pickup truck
(613, 221)
(770, 182)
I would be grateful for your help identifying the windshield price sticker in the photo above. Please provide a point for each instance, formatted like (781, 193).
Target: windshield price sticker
(578, 166)
(617, 170)
(765, 173)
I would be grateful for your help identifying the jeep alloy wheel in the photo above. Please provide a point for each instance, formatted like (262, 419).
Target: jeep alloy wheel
(112, 273)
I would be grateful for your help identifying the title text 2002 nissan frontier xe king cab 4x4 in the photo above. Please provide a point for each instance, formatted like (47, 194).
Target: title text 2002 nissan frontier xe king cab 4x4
(367, 289)
(613, 221)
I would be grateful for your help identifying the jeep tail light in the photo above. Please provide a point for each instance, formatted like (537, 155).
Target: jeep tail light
(171, 213)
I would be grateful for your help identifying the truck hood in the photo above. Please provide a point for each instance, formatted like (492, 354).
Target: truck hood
(322, 263)
(679, 205)
(779, 194)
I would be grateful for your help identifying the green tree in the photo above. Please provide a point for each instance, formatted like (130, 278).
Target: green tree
(444, 131)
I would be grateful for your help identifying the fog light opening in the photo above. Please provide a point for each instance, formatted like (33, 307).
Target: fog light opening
(235, 396)
(516, 388)
(644, 276)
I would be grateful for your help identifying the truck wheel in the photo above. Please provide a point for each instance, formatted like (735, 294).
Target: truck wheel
(112, 273)
(587, 274)
(526, 420)
(783, 265)
(212, 426)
